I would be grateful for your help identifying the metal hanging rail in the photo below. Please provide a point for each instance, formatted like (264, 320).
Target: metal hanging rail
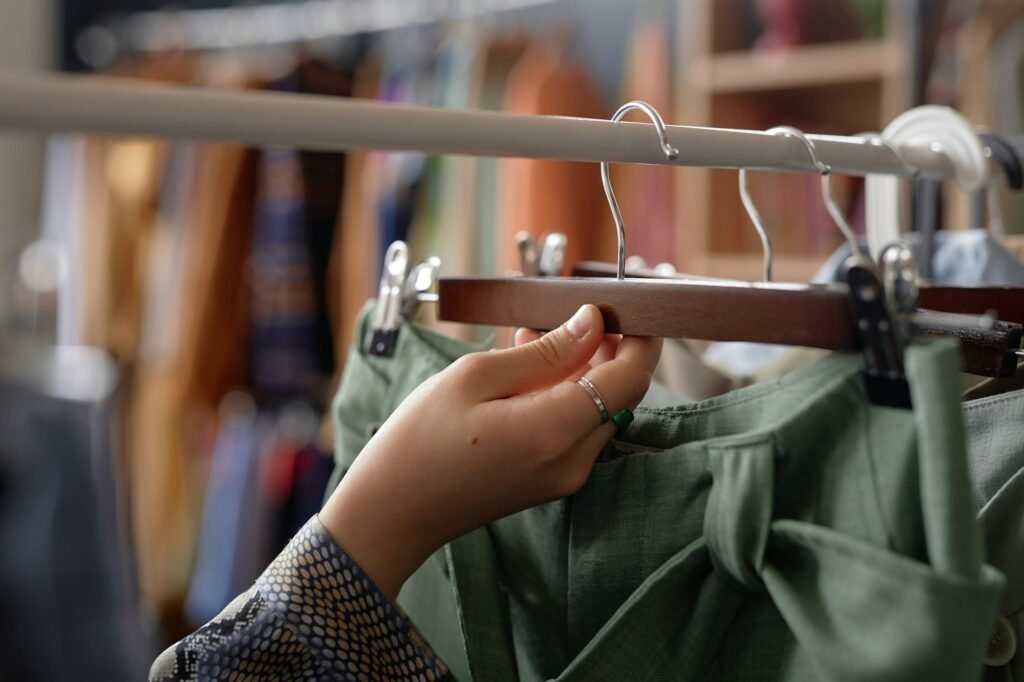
(51, 103)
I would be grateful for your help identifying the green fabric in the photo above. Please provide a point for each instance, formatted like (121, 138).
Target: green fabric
(786, 531)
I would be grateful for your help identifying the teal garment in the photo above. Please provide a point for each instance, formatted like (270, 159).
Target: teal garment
(786, 531)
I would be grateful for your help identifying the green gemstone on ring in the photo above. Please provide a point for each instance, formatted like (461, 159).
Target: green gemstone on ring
(623, 420)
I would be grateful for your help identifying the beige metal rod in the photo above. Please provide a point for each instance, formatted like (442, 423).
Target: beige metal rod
(50, 102)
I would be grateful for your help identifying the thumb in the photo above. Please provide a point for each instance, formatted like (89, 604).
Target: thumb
(545, 362)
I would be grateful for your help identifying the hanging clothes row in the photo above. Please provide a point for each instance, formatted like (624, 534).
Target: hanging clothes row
(206, 268)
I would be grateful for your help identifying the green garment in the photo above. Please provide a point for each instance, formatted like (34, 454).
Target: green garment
(785, 531)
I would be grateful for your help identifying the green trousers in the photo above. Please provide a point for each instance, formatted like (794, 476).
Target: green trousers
(786, 531)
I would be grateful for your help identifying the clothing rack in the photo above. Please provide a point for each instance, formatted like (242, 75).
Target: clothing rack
(93, 104)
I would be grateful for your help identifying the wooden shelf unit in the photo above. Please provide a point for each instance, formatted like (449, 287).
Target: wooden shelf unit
(803, 67)
(839, 88)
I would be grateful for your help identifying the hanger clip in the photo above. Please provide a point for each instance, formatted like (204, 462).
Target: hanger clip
(420, 287)
(552, 255)
(882, 336)
(382, 336)
(528, 254)
(399, 298)
(543, 259)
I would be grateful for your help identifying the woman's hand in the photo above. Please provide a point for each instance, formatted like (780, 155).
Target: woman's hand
(492, 434)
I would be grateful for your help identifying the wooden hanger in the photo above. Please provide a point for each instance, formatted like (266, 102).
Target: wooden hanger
(817, 316)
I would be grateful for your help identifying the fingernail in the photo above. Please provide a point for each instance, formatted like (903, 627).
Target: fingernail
(580, 324)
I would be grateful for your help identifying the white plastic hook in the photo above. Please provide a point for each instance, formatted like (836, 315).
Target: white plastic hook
(877, 140)
(941, 129)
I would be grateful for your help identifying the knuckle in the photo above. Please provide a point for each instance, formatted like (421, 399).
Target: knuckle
(469, 365)
(549, 351)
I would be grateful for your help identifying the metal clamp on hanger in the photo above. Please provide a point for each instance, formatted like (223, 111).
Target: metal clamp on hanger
(382, 336)
(552, 255)
(528, 257)
(399, 297)
(546, 261)
(419, 287)
(883, 316)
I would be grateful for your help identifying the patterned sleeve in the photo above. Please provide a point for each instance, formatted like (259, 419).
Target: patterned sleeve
(312, 615)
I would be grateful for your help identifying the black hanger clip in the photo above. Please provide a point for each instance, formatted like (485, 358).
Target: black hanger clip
(883, 316)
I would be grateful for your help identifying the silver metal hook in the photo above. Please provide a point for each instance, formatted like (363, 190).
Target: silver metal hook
(826, 189)
(755, 217)
(670, 152)
(751, 208)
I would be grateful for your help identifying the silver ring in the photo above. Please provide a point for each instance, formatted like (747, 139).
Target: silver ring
(595, 395)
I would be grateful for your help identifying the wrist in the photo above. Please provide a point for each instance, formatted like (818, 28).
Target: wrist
(377, 533)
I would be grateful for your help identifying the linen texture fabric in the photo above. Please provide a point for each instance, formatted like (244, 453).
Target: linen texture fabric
(995, 443)
(789, 531)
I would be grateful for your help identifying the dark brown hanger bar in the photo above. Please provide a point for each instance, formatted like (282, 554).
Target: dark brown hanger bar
(816, 316)
(985, 352)
(1006, 303)
(701, 309)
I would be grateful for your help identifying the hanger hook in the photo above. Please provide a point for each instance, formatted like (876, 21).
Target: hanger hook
(748, 201)
(755, 217)
(826, 189)
(671, 153)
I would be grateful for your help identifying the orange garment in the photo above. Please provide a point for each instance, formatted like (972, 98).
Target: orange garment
(122, 188)
(120, 182)
(174, 388)
(541, 196)
(176, 396)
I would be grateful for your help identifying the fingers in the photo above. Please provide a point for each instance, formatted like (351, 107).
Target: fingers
(605, 352)
(541, 362)
(622, 382)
